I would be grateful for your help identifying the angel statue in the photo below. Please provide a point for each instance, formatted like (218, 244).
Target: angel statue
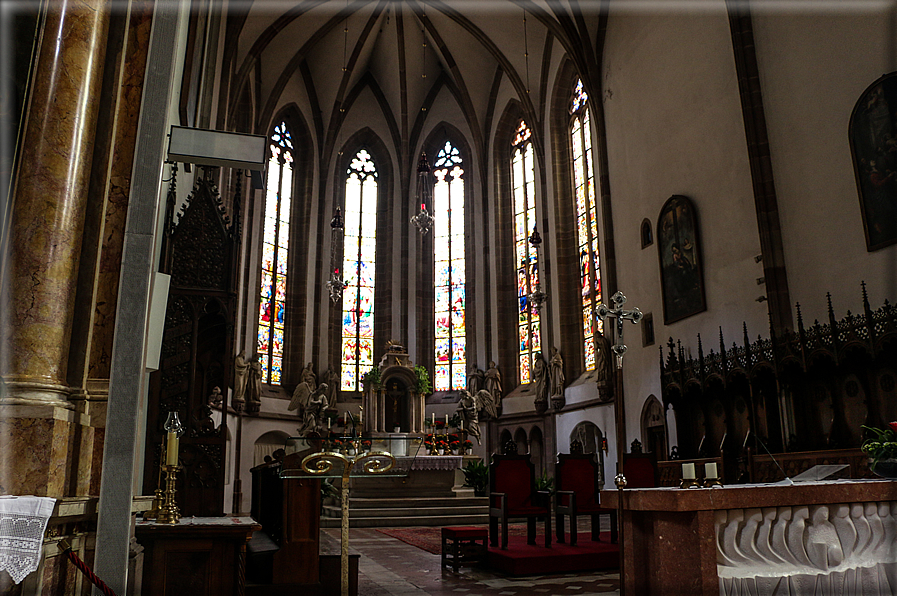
(470, 407)
(311, 404)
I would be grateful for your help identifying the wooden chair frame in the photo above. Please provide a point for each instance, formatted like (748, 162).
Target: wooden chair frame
(501, 513)
(567, 504)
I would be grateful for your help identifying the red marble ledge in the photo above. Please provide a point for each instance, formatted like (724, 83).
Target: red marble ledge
(742, 496)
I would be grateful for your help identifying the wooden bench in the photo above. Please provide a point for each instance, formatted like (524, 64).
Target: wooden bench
(463, 546)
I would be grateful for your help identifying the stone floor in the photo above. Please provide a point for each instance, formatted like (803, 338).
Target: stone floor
(388, 566)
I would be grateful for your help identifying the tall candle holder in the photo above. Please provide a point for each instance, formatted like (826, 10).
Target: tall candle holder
(169, 512)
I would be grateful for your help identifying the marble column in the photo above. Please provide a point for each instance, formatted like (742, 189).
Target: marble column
(49, 197)
(49, 200)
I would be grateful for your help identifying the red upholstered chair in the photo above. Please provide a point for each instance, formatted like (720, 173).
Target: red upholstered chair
(640, 470)
(576, 477)
(512, 484)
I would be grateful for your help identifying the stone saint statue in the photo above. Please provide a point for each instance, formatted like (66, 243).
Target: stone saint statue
(471, 407)
(540, 385)
(241, 372)
(331, 377)
(308, 376)
(467, 408)
(254, 384)
(311, 405)
(604, 367)
(493, 384)
(557, 374)
(476, 379)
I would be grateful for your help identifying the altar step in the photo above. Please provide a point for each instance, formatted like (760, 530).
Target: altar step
(399, 512)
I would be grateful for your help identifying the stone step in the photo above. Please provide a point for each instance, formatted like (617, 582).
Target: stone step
(408, 521)
(359, 512)
(417, 502)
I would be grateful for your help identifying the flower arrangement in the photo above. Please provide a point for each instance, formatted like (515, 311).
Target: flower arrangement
(883, 445)
(440, 424)
(366, 445)
(468, 444)
(428, 440)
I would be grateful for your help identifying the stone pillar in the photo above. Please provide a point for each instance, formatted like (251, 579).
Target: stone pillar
(47, 219)
(49, 200)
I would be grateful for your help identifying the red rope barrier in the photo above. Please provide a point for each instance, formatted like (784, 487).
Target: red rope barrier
(82, 566)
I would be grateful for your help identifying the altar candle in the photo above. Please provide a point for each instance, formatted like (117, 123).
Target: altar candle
(171, 456)
(433, 418)
(329, 420)
(360, 414)
(710, 470)
(688, 471)
(446, 419)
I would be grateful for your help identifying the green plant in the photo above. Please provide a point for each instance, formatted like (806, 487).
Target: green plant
(372, 377)
(476, 476)
(423, 380)
(545, 483)
(883, 445)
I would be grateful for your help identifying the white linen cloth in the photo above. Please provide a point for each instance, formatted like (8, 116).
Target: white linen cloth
(23, 521)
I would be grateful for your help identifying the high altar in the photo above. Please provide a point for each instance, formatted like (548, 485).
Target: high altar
(393, 404)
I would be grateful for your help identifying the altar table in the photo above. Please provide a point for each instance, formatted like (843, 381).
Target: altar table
(703, 541)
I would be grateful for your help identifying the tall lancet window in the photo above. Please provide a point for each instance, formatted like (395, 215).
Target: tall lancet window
(586, 220)
(275, 243)
(523, 183)
(359, 256)
(448, 249)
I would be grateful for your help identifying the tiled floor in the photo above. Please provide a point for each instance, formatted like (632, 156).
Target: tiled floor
(388, 566)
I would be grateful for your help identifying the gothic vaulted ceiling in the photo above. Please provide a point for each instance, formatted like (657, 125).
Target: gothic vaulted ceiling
(326, 54)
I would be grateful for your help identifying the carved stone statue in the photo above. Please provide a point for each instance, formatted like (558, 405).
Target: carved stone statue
(241, 373)
(476, 379)
(557, 379)
(557, 373)
(308, 376)
(254, 387)
(539, 384)
(604, 368)
(467, 408)
(331, 377)
(215, 398)
(493, 384)
(470, 407)
(311, 404)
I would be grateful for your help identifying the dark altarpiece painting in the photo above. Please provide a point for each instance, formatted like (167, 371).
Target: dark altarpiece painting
(199, 254)
(681, 272)
(873, 144)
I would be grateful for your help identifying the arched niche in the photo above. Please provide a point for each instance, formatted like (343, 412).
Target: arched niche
(591, 438)
(653, 427)
(267, 444)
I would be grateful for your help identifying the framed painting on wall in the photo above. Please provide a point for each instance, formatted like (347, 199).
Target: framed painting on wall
(681, 271)
(873, 146)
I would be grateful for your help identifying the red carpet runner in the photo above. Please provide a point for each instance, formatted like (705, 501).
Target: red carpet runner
(523, 559)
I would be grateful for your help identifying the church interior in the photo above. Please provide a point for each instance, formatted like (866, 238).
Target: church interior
(282, 221)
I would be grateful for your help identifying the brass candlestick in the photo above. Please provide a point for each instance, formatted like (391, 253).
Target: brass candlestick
(689, 483)
(169, 512)
(711, 482)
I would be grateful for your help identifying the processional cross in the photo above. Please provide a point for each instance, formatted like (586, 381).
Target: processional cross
(634, 315)
(619, 348)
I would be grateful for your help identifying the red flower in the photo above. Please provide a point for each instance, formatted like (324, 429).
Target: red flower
(893, 426)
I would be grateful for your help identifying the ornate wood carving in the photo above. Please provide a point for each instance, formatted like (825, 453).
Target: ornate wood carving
(200, 255)
(808, 390)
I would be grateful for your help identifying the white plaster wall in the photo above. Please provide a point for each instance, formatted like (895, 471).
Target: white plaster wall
(674, 126)
(814, 66)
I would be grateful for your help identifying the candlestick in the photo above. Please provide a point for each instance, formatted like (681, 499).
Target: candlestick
(171, 456)
(433, 418)
(688, 471)
(446, 419)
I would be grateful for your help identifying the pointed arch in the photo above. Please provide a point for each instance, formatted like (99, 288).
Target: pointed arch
(361, 320)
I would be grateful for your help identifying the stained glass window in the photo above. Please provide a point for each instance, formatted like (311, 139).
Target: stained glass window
(359, 257)
(275, 243)
(586, 221)
(449, 280)
(523, 180)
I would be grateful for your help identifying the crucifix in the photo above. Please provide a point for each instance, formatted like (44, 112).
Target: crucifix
(619, 348)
